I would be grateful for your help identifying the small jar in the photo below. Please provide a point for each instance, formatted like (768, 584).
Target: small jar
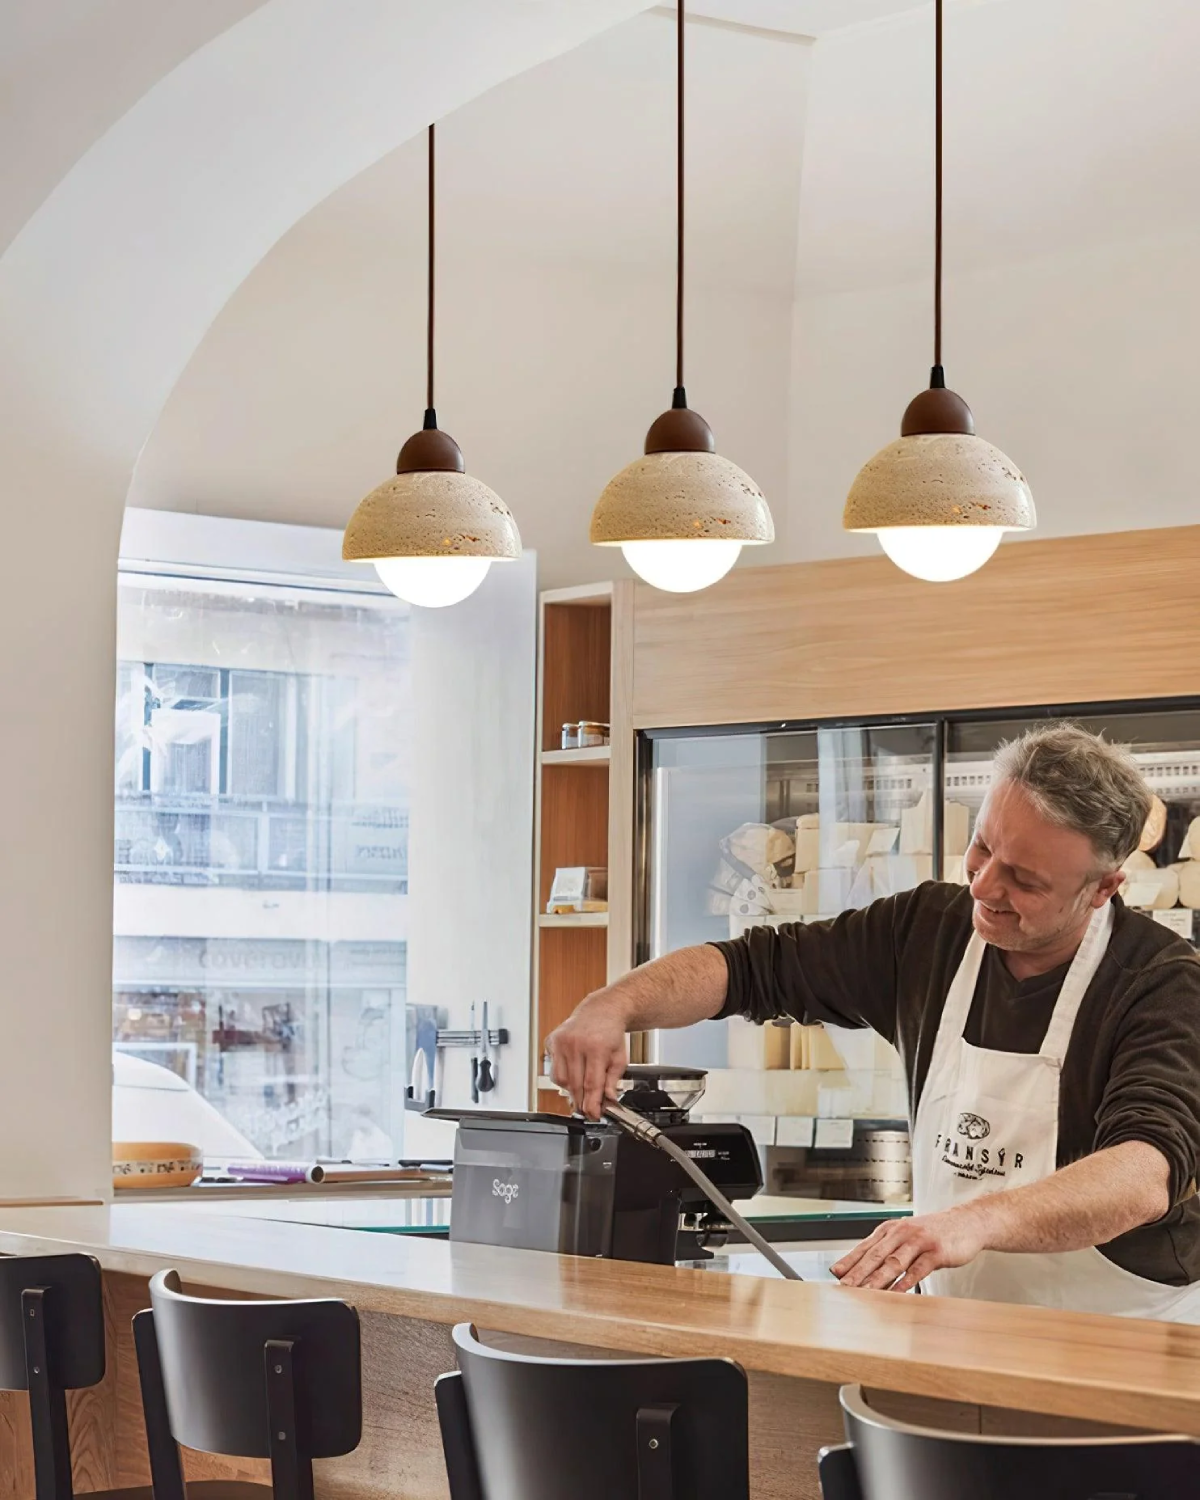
(592, 733)
(570, 736)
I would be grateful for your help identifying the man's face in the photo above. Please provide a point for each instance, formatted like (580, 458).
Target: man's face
(1033, 882)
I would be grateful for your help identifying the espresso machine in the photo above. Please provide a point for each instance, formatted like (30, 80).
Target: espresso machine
(613, 1187)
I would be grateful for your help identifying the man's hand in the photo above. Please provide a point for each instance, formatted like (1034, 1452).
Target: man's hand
(588, 1055)
(904, 1251)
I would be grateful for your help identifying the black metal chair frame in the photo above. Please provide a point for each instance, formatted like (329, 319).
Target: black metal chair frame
(841, 1480)
(654, 1431)
(61, 1291)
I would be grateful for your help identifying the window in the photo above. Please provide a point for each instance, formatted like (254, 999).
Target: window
(261, 856)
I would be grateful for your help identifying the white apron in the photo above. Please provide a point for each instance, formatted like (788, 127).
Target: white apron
(989, 1121)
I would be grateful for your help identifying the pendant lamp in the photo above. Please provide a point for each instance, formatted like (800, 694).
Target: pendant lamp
(681, 513)
(433, 531)
(939, 499)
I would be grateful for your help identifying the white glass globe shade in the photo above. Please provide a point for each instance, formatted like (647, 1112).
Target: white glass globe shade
(939, 553)
(432, 582)
(682, 567)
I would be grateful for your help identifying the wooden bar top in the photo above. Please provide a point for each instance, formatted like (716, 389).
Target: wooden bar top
(1068, 1364)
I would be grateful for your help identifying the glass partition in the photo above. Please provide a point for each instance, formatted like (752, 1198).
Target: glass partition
(794, 825)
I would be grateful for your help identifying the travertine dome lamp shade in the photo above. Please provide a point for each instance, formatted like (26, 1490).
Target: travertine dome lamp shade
(431, 512)
(432, 532)
(681, 513)
(939, 498)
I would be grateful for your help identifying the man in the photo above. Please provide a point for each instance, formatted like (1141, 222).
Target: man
(1050, 1038)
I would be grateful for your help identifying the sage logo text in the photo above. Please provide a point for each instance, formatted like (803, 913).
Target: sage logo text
(506, 1190)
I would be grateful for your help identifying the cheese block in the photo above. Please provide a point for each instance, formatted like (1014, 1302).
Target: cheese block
(1152, 890)
(808, 849)
(812, 1047)
(857, 835)
(952, 870)
(808, 820)
(891, 873)
(759, 846)
(752, 1046)
(916, 828)
(1156, 825)
(826, 892)
(1190, 848)
(956, 829)
(1189, 883)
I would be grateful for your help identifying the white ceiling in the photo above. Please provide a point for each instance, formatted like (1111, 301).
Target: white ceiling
(70, 68)
(802, 17)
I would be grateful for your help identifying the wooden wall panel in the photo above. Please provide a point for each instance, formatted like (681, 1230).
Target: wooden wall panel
(1068, 620)
(574, 823)
(621, 787)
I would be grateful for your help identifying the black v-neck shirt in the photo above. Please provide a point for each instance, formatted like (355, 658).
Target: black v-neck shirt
(1132, 1068)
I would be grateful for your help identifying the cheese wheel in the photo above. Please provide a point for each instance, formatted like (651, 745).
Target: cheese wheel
(1137, 864)
(1190, 848)
(1189, 883)
(1156, 825)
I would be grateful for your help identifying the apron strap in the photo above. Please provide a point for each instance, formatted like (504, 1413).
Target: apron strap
(1087, 960)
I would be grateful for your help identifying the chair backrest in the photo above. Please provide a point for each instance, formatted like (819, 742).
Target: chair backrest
(897, 1461)
(74, 1326)
(278, 1380)
(51, 1341)
(539, 1428)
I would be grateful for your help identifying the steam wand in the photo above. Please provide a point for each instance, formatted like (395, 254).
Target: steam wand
(643, 1130)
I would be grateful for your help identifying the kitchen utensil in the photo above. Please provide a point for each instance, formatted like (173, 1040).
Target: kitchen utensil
(474, 1062)
(487, 1071)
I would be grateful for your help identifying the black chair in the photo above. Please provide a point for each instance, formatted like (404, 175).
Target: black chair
(277, 1380)
(51, 1342)
(888, 1460)
(539, 1428)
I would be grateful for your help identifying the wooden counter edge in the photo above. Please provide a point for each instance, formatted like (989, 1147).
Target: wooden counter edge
(1152, 1400)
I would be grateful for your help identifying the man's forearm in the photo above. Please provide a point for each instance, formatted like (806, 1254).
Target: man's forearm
(678, 989)
(1088, 1203)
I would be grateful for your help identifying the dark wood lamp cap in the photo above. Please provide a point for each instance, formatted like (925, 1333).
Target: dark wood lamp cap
(680, 430)
(937, 410)
(430, 450)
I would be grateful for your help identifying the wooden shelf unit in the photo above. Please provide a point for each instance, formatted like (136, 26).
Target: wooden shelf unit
(584, 803)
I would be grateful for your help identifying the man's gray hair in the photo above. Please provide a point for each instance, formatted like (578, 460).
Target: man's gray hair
(1079, 780)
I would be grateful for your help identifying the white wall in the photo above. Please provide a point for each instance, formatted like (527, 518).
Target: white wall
(471, 830)
(1072, 236)
(104, 295)
(555, 312)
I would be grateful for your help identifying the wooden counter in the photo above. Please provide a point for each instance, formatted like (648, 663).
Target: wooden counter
(800, 1341)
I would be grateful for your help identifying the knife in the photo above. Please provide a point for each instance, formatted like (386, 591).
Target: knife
(474, 1061)
(487, 1073)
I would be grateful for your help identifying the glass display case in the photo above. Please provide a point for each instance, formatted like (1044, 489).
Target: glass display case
(798, 822)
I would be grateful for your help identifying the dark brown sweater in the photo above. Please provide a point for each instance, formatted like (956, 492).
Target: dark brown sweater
(1132, 1069)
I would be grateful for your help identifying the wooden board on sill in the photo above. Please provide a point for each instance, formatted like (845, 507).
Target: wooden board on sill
(573, 919)
(589, 755)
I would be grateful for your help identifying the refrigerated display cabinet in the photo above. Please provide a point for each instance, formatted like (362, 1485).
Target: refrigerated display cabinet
(788, 822)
